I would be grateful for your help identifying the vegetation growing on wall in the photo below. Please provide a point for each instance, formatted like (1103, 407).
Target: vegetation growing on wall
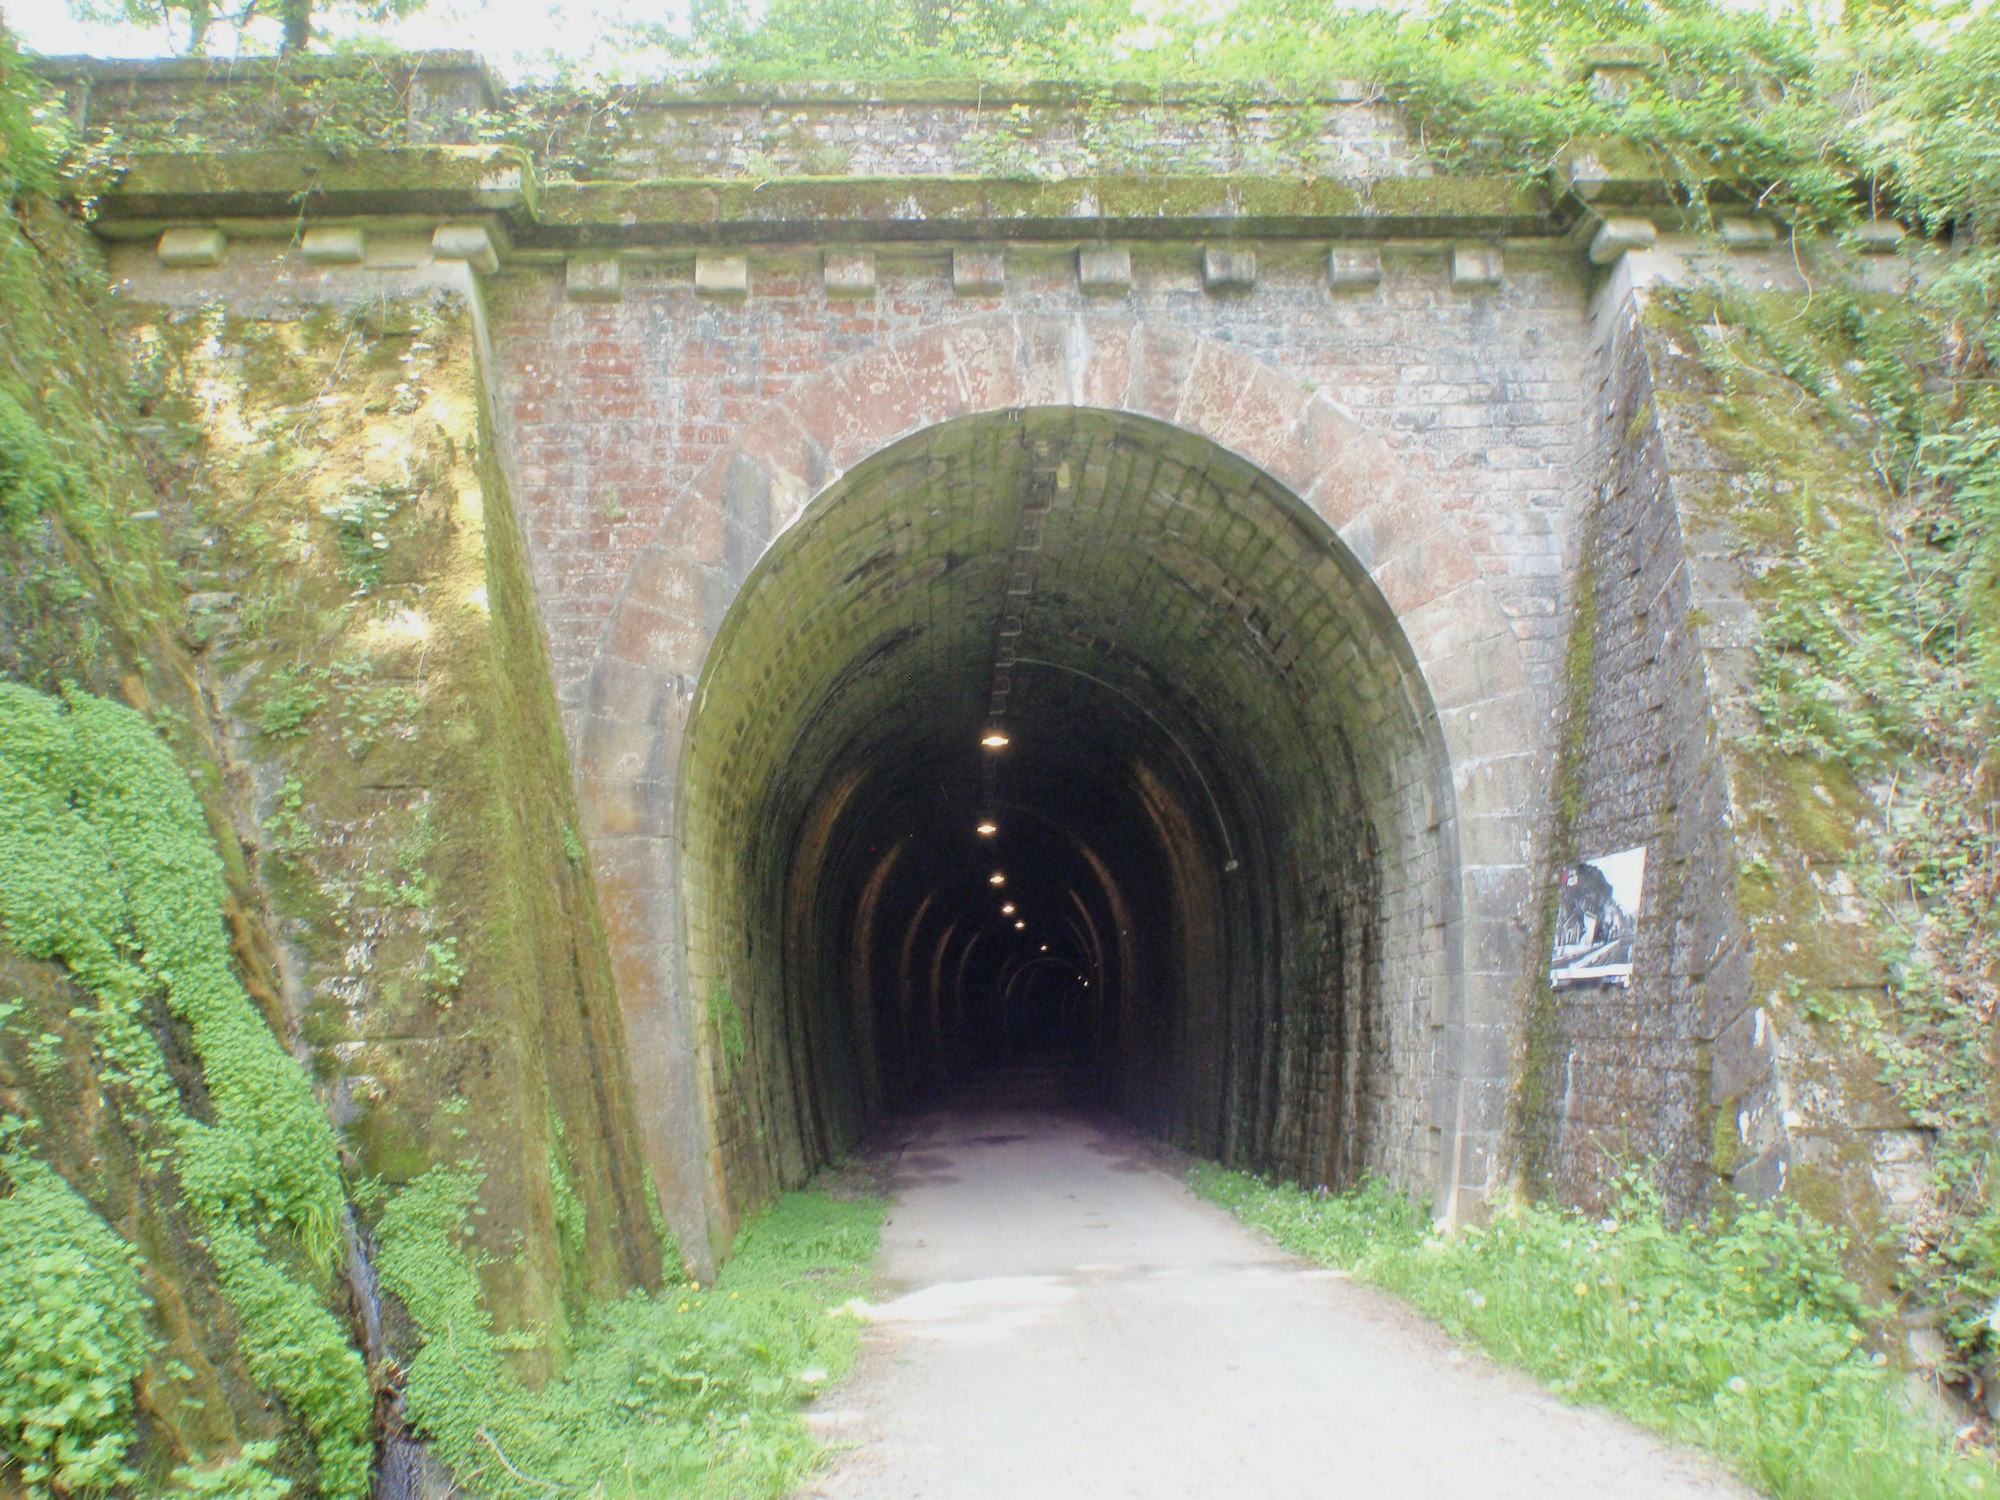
(72, 1331)
(1868, 496)
(107, 867)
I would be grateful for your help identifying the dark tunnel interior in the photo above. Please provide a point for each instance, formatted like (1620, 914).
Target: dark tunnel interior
(1062, 734)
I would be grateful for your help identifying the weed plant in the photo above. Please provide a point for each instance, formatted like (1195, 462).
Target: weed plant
(1741, 1334)
(690, 1392)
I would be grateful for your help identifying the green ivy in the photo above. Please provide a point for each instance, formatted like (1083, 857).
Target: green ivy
(107, 866)
(33, 481)
(72, 1335)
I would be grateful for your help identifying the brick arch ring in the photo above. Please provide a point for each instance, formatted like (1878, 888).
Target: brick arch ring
(1371, 498)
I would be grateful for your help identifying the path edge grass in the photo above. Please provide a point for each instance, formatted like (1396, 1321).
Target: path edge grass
(1738, 1333)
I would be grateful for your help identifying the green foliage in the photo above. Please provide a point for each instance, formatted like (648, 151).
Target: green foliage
(360, 521)
(72, 1336)
(444, 968)
(690, 1392)
(868, 38)
(1870, 433)
(32, 132)
(1741, 1334)
(291, 698)
(572, 1219)
(243, 1477)
(106, 865)
(193, 25)
(33, 481)
(1887, 106)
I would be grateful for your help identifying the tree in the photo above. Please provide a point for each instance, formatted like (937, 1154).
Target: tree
(901, 35)
(191, 24)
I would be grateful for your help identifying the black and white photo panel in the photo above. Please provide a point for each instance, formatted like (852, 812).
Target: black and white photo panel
(1597, 919)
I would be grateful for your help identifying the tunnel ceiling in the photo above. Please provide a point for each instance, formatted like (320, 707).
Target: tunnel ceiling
(1217, 810)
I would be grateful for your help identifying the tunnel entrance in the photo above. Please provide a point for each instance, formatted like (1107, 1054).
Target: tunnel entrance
(1062, 731)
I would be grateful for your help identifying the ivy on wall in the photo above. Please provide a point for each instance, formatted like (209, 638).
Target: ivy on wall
(107, 866)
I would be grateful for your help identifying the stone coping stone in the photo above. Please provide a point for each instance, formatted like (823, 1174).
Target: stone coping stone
(441, 181)
(699, 94)
(444, 182)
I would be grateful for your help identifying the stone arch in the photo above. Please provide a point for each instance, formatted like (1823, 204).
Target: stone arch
(1438, 613)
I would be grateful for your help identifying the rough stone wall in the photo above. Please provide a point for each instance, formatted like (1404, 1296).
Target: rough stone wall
(1622, 1075)
(362, 601)
(958, 130)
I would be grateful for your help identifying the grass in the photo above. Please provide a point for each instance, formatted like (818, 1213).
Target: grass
(1740, 1335)
(692, 1392)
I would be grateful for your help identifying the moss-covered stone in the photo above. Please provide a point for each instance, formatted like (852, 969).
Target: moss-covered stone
(393, 704)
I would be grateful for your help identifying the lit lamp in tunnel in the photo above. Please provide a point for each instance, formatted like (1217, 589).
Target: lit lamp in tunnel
(1020, 926)
(1006, 908)
(987, 828)
(994, 739)
(996, 879)
(1045, 947)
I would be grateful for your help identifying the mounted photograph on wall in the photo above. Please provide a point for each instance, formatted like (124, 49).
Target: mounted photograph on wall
(1597, 918)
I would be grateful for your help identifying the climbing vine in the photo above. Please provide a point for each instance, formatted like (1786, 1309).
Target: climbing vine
(72, 1334)
(106, 866)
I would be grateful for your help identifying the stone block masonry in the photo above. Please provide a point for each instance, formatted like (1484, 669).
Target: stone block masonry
(612, 411)
(1432, 390)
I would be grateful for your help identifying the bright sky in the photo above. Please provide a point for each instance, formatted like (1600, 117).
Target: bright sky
(516, 36)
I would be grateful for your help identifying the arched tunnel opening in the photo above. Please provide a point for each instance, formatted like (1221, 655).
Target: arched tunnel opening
(1062, 734)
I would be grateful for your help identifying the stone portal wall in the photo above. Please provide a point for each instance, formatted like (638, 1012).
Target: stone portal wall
(1628, 1075)
(639, 338)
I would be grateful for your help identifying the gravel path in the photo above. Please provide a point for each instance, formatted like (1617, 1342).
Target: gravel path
(1057, 1318)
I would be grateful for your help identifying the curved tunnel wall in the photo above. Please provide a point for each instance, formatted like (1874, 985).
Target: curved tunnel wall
(1222, 812)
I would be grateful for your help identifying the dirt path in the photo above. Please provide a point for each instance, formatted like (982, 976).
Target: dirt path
(1059, 1319)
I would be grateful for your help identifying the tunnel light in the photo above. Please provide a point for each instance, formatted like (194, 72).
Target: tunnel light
(996, 878)
(1020, 926)
(987, 828)
(1045, 947)
(993, 739)
(1007, 908)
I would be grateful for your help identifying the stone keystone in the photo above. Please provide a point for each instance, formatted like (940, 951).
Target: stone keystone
(471, 243)
(192, 247)
(849, 273)
(1228, 270)
(1354, 270)
(1749, 234)
(722, 275)
(978, 273)
(594, 278)
(1475, 266)
(334, 245)
(1620, 235)
(1104, 269)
